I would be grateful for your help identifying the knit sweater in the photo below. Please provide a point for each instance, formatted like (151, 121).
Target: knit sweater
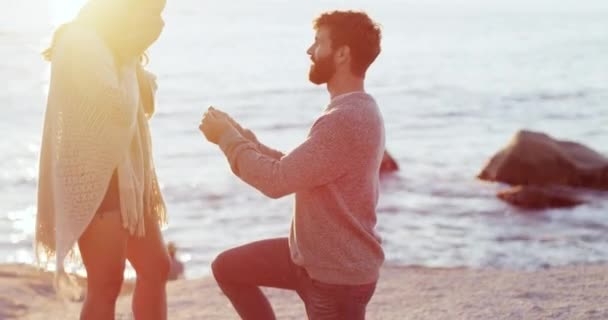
(334, 175)
(96, 126)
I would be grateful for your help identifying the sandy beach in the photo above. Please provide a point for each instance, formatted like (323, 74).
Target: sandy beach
(573, 292)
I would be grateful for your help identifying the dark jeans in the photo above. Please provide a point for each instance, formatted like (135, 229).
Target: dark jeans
(241, 271)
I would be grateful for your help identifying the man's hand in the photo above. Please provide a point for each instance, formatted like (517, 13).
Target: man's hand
(213, 125)
(248, 134)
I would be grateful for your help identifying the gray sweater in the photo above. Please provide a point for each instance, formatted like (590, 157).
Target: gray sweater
(334, 175)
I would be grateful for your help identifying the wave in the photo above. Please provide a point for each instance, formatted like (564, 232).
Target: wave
(550, 96)
(10, 183)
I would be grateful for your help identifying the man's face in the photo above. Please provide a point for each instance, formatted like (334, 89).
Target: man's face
(322, 56)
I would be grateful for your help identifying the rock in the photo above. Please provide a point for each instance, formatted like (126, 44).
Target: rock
(388, 163)
(536, 159)
(533, 197)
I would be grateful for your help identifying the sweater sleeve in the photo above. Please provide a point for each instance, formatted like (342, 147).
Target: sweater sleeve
(262, 148)
(267, 151)
(322, 158)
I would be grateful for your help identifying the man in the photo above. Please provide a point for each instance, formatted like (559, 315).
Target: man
(333, 255)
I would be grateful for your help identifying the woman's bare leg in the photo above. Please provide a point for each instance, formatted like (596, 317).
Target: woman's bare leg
(103, 247)
(149, 258)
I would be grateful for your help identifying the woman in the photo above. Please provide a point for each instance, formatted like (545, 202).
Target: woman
(97, 182)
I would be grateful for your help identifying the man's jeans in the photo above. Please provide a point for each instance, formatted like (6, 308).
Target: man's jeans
(242, 270)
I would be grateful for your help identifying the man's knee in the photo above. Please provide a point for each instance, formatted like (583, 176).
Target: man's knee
(218, 267)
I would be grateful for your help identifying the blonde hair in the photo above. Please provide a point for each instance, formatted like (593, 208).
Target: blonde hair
(100, 14)
(47, 54)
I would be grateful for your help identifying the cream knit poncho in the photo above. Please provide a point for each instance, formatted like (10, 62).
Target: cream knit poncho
(96, 122)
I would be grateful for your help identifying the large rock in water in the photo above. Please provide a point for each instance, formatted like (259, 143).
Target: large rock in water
(534, 158)
(388, 163)
(532, 197)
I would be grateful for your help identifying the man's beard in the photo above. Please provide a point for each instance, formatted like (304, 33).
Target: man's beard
(322, 70)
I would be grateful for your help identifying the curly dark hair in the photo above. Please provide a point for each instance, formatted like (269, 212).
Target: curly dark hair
(356, 30)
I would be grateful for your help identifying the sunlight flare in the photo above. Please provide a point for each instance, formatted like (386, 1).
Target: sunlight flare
(62, 11)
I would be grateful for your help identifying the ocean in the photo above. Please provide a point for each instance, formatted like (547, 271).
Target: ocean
(454, 81)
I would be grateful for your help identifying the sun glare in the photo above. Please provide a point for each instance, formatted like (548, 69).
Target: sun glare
(62, 11)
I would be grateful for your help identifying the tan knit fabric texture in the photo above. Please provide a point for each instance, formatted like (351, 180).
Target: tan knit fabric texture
(95, 123)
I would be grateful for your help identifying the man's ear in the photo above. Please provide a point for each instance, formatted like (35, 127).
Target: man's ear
(343, 54)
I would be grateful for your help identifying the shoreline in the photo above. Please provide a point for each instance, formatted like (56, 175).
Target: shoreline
(403, 292)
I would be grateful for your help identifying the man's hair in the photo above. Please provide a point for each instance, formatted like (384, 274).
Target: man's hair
(355, 30)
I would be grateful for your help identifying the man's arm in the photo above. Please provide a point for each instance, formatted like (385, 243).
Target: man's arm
(249, 135)
(322, 158)
(265, 150)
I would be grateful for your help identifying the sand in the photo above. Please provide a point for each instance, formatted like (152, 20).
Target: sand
(572, 292)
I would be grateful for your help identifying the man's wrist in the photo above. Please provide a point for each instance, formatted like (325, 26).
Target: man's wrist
(228, 135)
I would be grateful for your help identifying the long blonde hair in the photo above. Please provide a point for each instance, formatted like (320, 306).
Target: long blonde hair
(47, 54)
(101, 15)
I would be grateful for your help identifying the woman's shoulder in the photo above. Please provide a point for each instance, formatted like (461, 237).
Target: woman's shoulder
(79, 42)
